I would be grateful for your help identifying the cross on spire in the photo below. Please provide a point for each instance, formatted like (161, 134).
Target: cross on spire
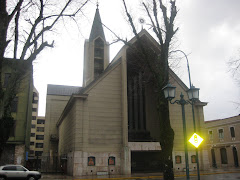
(97, 4)
(97, 29)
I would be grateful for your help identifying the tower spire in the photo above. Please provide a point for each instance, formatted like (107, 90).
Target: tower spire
(97, 29)
(96, 51)
(97, 4)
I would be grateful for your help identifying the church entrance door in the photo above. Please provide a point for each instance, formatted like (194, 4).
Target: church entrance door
(146, 161)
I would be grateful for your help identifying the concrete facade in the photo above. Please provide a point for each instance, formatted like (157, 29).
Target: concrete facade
(92, 125)
(55, 104)
(223, 142)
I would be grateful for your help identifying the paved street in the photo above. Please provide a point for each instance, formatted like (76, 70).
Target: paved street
(228, 176)
(224, 175)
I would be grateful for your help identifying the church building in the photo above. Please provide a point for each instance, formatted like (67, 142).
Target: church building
(110, 125)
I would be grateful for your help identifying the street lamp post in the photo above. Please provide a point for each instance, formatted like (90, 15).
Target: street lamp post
(169, 93)
(194, 127)
(193, 113)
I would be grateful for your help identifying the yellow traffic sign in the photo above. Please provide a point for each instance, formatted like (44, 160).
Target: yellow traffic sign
(195, 140)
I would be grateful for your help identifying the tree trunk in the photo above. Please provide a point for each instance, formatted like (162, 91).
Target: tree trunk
(166, 136)
(3, 40)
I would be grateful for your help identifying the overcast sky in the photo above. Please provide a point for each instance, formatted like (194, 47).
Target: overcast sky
(209, 32)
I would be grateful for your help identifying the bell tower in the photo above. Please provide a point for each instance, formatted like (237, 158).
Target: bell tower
(96, 51)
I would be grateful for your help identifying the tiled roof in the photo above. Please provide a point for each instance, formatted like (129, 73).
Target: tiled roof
(62, 90)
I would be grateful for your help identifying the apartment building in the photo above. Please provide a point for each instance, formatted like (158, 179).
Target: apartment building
(37, 135)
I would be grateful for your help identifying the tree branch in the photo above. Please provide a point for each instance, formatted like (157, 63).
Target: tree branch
(37, 21)
(164, 11)
(38, 50)
(16, 34)
(17, 8)
(130, 20)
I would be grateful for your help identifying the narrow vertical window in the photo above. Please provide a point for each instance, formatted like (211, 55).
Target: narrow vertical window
(220, 133)
(98, 57)
(210, 135)
(232, 131)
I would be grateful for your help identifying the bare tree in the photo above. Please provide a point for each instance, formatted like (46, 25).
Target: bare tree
(234, 67)
(158, 64)
(25, 28)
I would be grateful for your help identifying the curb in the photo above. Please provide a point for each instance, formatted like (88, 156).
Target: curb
(143, 177)
(153, 177)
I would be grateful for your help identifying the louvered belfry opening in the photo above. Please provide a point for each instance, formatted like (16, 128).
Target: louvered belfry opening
(98, 57)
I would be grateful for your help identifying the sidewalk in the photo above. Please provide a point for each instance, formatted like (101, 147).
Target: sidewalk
(138, 175)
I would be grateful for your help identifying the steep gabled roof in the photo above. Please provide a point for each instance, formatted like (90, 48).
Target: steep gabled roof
(118, 58)
(82, 92)
(133, 40)
(97, 29)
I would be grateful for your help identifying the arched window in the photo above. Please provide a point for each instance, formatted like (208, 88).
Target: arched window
(223, 153)
(98, 57)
